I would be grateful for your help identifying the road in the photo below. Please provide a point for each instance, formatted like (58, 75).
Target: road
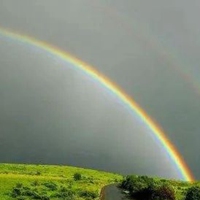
(112, 192)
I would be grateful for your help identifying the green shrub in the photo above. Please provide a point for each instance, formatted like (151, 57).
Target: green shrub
(88, 194)
(16, 192)
(164, 192)
(35, 183)
(136, 184)
(44, 197)
(144, 187)
(77, 176)
(19, 192)
(193, 193)
(63, 193)
(50, 185)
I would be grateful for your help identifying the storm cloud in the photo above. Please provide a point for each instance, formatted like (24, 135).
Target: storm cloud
(51, 113)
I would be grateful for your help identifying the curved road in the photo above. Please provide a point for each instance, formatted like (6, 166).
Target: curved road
(112, 192)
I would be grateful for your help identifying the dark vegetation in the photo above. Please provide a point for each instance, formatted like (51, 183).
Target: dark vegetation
(193, 193)
(77, 176)
(146, 188)
(143, 187)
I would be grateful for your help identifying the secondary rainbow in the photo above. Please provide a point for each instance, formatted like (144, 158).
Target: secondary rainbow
(104, 81)
(144, 33)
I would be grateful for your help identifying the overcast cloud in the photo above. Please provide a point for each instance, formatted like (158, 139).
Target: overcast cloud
(50, 113)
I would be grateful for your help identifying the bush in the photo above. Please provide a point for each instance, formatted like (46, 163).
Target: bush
(52, 186)
(88, 194)
(64, 193)
(143, 187)
(164, 192)
(21, 192)
(77, 176)
(35, 183)
(193, 193)
(138, 184)
(16, 192)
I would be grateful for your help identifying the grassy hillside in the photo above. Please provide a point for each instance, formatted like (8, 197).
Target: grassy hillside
(48, 182)
(18, 181)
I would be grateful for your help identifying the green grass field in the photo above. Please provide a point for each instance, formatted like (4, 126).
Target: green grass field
(51, 182)
(23, 182)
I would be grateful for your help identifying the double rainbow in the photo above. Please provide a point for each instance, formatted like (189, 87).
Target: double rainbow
(109, 85)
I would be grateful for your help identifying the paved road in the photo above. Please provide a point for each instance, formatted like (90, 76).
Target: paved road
(112, 192)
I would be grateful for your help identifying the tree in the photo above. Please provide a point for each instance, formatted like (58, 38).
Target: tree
(140, 187)
(144, 187)
(193, 193)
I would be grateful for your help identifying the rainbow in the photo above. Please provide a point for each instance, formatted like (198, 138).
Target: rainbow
(110, 86)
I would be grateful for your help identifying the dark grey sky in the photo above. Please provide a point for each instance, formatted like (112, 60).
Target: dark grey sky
(50, 113)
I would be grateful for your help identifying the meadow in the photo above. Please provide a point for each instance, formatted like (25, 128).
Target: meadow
(22, 181)
(51, 182)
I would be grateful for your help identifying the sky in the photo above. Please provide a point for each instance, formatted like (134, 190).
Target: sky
(53, 114)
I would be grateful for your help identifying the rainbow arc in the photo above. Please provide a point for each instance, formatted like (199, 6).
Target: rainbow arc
(116, 90)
